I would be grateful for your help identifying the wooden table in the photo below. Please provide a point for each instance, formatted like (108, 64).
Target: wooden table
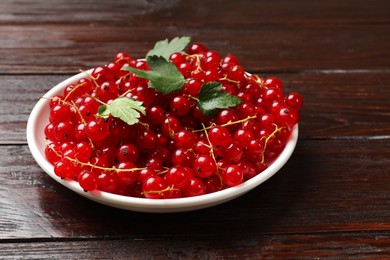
(330, 201)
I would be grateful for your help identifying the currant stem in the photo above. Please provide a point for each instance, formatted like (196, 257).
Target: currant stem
(160, 191)
(226, 124)
(191, 97)
(277, 129)
(89, 76)
(230, 80)
(213, 155)
(74, 89)
(95, 166)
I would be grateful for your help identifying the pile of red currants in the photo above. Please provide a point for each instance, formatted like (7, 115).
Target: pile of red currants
(175, 150)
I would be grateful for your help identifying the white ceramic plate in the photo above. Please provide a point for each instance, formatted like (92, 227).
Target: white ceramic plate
(39, 118)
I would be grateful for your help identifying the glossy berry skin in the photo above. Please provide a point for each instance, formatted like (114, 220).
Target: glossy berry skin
(182, 157)
(287, 116)
(64, 132)
(88, 181)
(195, 187)
(294, 100)
(219, 136)
(196, 48)
(107, 182)
(154, 187)
(204, 166)
(232, 152)
(177, 177)
(61, 113)
(122, 57)
(97, 129)
(63, 168)
(126, 177)
(184, 139)
(147, 140)
(127, 153)
(273, 82)
(83, 151)
(243, 137)
(156, 115)
(171, 126)
(232, 176)
(180, 106)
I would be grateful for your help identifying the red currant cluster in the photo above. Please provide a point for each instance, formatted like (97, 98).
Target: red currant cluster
(174, 150)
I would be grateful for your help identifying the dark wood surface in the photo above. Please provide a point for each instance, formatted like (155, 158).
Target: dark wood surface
(330, 201)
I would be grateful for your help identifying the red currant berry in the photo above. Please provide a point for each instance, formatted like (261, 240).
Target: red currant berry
(177, 58)
(97, 129)
(102, 74)
(64, 132)
(230, 60)
(232, 152)
(213, 184)
(219, 136)
(145, 174)
(184, 139)
(154, 187)
(232, 176)
(63, 168)
(87, 181)
(294, 100)
(196, 48)
(171, 126)
(273, 82)
(204, 166)
(107, 182)
(122, 57)
(127, 153)
(202, 147)
(194, 188)
(156, 115)
(107, 91)
(243, 137)
(147, 140)
(182, 157)
(287, 116)
(51, 153)
(177, 177)
(255, 150)
(180, 105)
(124, 175)
(83, 151)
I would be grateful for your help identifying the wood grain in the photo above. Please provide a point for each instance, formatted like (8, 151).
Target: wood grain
(343, 245)
(266, 36)
(295, 201)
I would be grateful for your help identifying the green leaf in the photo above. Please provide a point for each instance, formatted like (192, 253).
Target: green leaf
(164, 76)
(212, 97)
(165, 48)
(126, 109)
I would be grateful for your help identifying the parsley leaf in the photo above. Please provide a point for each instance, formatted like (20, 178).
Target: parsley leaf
(212, 97)
(165, 48)
(126, 109)
(164, 76)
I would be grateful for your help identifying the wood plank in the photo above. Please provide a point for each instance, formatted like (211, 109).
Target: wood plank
(327, 186)
(204, 13)
(320, 37)
(350, 105)
(313, 246)
(18, 95)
